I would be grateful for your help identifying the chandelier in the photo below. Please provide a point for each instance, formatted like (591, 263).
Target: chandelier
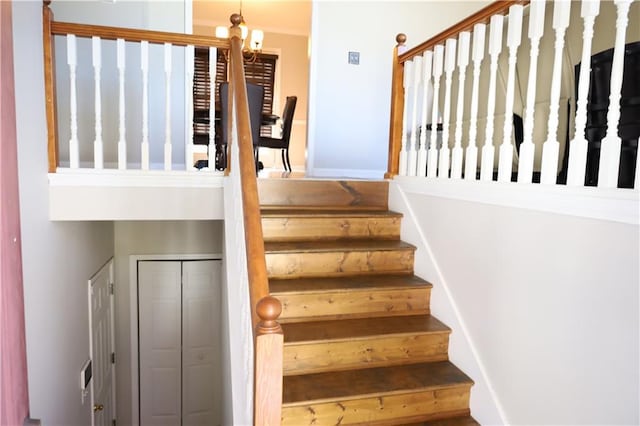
(251, 48)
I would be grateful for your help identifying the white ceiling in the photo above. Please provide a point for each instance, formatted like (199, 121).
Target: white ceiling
(286, 16)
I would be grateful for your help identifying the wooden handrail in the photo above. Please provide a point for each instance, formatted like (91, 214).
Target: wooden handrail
(130, 34)
(483, 15)
(50, 87)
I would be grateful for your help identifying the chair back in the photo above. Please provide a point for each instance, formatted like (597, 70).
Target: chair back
(287, 118)
(255, 95)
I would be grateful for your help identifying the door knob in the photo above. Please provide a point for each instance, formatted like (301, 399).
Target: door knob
(98, 407)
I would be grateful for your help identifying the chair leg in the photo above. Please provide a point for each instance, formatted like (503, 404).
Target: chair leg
(285, 153)
(284, 163)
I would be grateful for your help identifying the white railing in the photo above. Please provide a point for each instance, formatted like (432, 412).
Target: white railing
(429, 82)
(120, 97)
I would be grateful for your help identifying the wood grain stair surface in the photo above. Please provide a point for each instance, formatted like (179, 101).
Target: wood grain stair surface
(369, 244)
(347, 284)
(320, 346)
(453, 421)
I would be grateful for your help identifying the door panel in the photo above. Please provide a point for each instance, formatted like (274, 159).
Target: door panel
(201, 378)
(159, 311)
(101, 323)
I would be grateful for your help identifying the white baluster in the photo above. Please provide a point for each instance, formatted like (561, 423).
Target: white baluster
(213, 60)
(74, 153)
(551, 147)
(144, 64)
(122, 142)
(413, 150)
(432, 155)
(464, 39)
(167, 110)
(495, 47)
(471, 159)
(449, 67)
(514, 36)
(426, 77)
(527, 148)
(189, 57)
(407, 79)
(578, 146)
(98, 161)
(611, 143)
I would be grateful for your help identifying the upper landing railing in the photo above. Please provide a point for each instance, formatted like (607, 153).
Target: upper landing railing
(122, 98)
(472, 141)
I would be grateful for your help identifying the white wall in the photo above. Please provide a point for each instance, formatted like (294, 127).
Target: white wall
(148, 238)
(550, 303)
(58, 258)
(349, 104)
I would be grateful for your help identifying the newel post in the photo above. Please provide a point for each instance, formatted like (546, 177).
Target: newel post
(397, 108)
(49, 86)
(268, 367)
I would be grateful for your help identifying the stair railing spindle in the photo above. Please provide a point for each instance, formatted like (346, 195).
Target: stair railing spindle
(98, 156)
(427, 62)
(213, 59)
(551, 147)
(413, 150)
(432, 155)
(514, 36)
(144, 65)
(167, 106)
(611, 143)
(471, 159)
(72, 62)
(579, 145)
(449, 67)
(404, 150)
(122, 142)
(464, 39)
(188, 155)
(527, 148)
(495, 47)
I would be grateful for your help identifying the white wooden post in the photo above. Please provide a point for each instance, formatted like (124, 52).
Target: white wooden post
(471, 159)
(514, 36)
(188, 154)
(74, 153)
(464, 39)
(427, 62)
(495, 47)
(551, 147)
(579, 145)
(449, 67)
(432, 156)
(144, 65)
(611, 143)
(413, 150)
(211, 154)
(98, 156)
(527, 148)
(122, 142)
(407, 79)
(167, 106)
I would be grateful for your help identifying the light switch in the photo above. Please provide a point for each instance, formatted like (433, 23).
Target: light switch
(354, 58)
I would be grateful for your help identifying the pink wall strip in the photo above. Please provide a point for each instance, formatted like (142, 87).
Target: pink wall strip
(14, 398)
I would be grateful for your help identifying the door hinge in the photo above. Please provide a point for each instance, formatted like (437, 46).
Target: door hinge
(111, 288)
(113, 357)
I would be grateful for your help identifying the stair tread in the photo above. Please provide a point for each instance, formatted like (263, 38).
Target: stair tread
(367, 244)
(453, 421)
(314, 331)
(350, 283)
(325, 212)
(371, 382)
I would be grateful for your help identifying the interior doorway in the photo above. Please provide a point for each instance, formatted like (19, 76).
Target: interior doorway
(178, 339)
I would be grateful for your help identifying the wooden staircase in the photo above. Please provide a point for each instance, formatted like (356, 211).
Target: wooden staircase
(360, 345)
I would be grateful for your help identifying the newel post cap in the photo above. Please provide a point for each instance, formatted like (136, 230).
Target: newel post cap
(268, 309)
(401, 38)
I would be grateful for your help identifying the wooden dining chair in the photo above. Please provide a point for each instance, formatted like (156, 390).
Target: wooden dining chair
(281, 143)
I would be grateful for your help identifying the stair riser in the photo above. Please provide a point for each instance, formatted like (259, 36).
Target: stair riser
(305, 229)
(356, 304)
(424, 405)
(328, 264)
(320, 357)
